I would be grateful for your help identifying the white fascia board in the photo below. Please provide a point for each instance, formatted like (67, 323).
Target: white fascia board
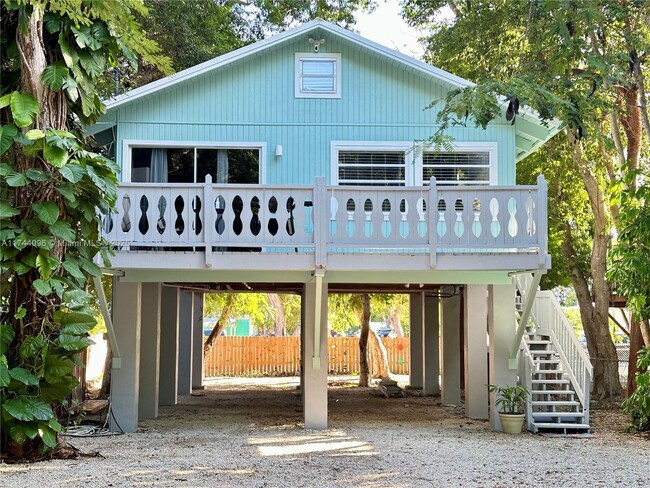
(245, 51)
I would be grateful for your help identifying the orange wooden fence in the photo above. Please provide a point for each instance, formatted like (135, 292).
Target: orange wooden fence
(271, 356)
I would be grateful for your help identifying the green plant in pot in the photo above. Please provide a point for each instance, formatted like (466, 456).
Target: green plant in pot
(510, 401)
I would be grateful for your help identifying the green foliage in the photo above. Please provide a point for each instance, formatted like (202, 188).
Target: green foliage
(510, 399)
(52, 188)
(638, 404)
(630, 259)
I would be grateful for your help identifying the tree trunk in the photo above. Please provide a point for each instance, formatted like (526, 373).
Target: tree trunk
(221, 323)
(378, 355)
(395, 323)
(636, 344)
(363, 340)
(594, 302)
(280, 320)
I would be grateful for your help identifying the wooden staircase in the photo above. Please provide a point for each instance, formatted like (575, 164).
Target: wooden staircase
(554, 367)
(554, 404)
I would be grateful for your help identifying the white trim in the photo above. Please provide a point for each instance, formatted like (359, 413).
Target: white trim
(336, 57)
(412, 156)
(127, 144)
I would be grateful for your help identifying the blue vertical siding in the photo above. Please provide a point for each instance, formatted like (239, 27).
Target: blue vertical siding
(253, 101)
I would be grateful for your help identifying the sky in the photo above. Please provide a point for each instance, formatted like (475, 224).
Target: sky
(386, 26)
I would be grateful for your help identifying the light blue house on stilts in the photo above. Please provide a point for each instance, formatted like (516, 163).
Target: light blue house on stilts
(295, 164)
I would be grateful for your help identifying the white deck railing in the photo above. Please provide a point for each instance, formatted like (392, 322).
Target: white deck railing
(552, 320)
(329, 219)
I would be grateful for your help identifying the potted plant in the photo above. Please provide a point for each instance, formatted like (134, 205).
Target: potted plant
(510, 402)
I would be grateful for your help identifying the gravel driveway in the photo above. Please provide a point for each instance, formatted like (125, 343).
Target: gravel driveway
(245, 433)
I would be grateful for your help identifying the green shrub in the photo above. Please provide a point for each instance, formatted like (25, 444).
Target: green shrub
(638, 404)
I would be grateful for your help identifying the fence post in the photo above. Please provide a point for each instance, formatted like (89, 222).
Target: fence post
(432, 204)
(542, 217)
(208, 219)
(320, 223)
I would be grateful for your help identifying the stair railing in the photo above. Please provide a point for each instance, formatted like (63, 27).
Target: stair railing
(573, 356)
(549, 319)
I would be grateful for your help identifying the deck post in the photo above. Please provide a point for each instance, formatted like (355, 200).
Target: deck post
(451, 350)
(542, 219)
(476, 377)
(125, 381)
(149, 350)
(321, 223)
(416, 305)
(431, 346)
(314, 378)
(168, 394)
(185, 343)
(209, 218)
(501, 327)
(197, 341)
(432, 219)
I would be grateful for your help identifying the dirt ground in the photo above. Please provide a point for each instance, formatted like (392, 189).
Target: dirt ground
(248, 433)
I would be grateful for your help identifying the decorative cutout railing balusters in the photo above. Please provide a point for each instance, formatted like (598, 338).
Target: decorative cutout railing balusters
(197, 225)
(161, 225)
(422, 223)
(220, 208)
(477, 228)
(273, 221)
(179, 205)
(403, 225)
(386, 228)
(512, 221)
(367, 225)
(373, 219)
(350, 227)
(237, 208)
(442, 221)
(255, 225)
(126, 221)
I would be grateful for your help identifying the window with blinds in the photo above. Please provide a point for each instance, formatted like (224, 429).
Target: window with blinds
(457, 168)
(318, 76)
(374, 168)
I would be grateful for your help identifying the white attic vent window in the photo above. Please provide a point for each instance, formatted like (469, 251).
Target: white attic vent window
(318, 75)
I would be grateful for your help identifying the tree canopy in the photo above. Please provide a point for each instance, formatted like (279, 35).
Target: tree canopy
(52, 185)
(582, 63)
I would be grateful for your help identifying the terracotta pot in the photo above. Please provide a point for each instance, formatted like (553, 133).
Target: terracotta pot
(512, 423)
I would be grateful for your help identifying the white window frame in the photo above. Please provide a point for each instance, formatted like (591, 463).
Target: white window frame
(336, 57)
(466, 147)
(127, 145)
(412, 156)
(372, 146)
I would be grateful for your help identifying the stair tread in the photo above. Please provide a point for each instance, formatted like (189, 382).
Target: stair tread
(555, 402)
(552, 392)
(555, 382)
(554, 371)
(547, 425)
(539, 352)
(546, 361)
(558, 414)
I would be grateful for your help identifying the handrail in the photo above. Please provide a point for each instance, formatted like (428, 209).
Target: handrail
(549, 319)
(324, 219)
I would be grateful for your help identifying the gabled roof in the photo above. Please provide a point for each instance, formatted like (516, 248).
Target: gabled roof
(531, 132)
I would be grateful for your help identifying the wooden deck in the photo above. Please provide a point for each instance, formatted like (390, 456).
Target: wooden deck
(249, 227)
